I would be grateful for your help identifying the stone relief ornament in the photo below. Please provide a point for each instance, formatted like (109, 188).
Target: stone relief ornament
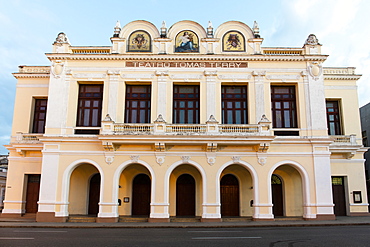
(134, 158)
(315, 70)
(185, 159)
(312, 40)
(160, 159)
(109, 159)
(57, 68)
(236, 159)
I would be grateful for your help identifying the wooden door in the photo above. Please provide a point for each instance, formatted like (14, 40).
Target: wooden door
(141, 195)
(33, 191)
(339, 198)
(94, 194)
(229, 196)
(185, 195)
(277, 196)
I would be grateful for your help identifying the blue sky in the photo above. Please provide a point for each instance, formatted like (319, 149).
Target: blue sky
(28, 28)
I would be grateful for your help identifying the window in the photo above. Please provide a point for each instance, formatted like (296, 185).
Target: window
(333, 117)
(137, 104)
(234, 105)
(39, 116)
(90, 100)
(284, 112)
(186, 104)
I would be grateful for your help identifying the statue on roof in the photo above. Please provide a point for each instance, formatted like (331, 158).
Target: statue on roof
(61, 39)
(312, 40)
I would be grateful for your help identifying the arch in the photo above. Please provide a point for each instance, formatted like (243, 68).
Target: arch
(66, 182)
(139, 25)
(249, 168)
(186, 25)
(172, 168)
(305, 183)
(120, 169)
(234, 25)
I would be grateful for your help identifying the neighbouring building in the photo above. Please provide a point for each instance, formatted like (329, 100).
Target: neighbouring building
(186, 121)
(365, 127)
(3, 172)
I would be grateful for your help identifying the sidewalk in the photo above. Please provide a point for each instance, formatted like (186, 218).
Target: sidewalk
(340, 221)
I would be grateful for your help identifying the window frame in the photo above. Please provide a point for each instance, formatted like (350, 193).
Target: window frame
(291, 100)
(36, 120)
(177, 99)
(129, 99)
(81, 109)
(234, 99)
(337, 113)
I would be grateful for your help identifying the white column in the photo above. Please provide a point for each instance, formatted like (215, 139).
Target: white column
(323, 186)
(113, 93)
(211, 93)
(162, 94)
(259, 94)
(48, 183)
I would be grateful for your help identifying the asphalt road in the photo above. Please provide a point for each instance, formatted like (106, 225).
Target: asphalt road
(178, 237)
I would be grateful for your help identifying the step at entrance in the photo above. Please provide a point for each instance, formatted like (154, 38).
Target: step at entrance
(81, 218)
(132, 219)
(184, 219)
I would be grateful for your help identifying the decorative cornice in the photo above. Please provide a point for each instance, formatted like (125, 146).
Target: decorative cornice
(201, 57)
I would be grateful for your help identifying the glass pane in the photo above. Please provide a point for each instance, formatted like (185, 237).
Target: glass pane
(142, 104)
(96, 103)
(182, 116)
(87, 103)
(190, 104)
(134, 104)
(287, 119)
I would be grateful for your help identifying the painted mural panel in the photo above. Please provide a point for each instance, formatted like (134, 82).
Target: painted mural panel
(233, 41)
(139, 41)
(187, 41)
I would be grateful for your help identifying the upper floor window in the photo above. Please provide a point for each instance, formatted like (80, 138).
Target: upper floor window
(137, 104)
(186, 104)
(333, 117)
(39, 116)
(284, 110)
(90, 101)
(234, 105)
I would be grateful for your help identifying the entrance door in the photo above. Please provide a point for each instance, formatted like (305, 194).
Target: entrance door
(141, 195)
(277, 195)
(33, 191)
(229, 196)
(185, 195)
(339, 198)
(94, 194)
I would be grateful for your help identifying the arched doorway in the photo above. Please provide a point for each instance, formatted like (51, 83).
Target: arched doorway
(94, 194)
(229, 195)
(141, 187)
(277, 195)
(185, 195)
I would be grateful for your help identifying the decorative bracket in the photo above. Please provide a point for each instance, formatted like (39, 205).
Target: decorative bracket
(211, 147)
(262, 147)
(159, 147)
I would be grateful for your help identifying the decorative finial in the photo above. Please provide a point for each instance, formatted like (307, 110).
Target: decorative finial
(312, 40)
(256, 30)
(117, 29)
(163, 30)
(107, 118)
(264, 119)
(160, 119)
(210, 30)
(212, 119)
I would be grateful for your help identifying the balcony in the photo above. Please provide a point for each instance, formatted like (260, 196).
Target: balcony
(160, 127)
(345, 144)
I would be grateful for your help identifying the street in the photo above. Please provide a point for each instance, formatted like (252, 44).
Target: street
(261, 236)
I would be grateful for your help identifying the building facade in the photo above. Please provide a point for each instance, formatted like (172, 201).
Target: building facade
(185, 121)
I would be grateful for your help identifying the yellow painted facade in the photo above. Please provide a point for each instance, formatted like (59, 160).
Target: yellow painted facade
(259, 155)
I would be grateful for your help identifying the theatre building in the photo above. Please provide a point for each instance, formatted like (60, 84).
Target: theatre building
(186, 121)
